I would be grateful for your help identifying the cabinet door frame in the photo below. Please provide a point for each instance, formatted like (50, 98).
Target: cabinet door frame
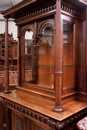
(18, 121)
(37, 28)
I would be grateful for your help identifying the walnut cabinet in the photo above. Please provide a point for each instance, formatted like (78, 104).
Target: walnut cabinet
(52, 86)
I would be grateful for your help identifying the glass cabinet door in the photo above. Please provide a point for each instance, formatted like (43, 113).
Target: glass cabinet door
(39, 57)
(28, 55)
(68, 55)
(46, 57)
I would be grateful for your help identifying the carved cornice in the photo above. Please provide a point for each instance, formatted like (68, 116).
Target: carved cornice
(51, 122)
(36, 13)
(51, 8)
(69, 10)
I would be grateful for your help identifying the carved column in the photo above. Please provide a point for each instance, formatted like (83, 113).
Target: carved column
(58, 58)
(6, 58)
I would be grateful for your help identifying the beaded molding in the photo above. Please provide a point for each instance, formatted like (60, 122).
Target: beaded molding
(48, 9)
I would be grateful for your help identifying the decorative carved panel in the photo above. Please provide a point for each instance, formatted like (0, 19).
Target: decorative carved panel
(19, 123)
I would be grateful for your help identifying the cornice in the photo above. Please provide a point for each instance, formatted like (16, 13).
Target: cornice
(49, 10)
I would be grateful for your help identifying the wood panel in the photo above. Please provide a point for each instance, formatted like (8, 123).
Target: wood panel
(13, 78)
(68, 76)
(45, 65)
(68, 54)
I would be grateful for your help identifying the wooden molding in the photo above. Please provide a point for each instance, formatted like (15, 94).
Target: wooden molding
(46, 11)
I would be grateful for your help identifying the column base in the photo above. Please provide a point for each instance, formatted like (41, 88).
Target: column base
(7, 91)
(58, 109)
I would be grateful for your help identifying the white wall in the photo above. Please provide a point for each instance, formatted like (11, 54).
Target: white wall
(12, 28)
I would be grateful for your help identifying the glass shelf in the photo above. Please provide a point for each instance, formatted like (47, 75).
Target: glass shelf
(68, 65)
(70, 44)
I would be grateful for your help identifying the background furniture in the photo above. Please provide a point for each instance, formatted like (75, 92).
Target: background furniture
(52, 86)
(13, 72)
(13, 57)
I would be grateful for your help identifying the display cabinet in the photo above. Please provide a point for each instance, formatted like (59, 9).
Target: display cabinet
(51, 65)
(13, 57)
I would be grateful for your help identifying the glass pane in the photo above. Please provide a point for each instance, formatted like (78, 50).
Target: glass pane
(46, 57)
(28, 55)
(39, 58)
(67, 33)
(68, 55)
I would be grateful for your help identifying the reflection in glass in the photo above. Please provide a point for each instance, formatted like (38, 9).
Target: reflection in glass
(28, 55)
(39, 57)
(68, 55)
(45, 57)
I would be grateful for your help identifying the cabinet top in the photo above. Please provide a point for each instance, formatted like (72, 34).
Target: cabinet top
(30, 5)
(23, 6)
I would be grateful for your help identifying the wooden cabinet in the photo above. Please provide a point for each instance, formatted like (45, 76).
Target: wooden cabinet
(12, 52)
(13, 57)
(22, 123)
(51, 65)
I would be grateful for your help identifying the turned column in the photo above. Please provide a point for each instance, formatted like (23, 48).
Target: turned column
(58, 58)
(6, 58)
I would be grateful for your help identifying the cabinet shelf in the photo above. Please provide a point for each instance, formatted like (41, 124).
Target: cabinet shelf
(40, 65)
(9, 59)
(68, 65)
(28, 55)
(45, 65)
(70, 44)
